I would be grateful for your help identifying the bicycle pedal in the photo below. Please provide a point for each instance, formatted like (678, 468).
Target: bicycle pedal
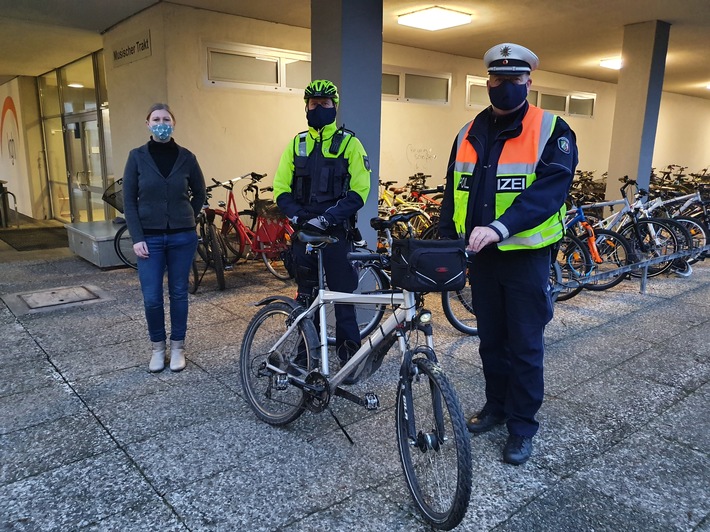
(371, 401)
(281, 381)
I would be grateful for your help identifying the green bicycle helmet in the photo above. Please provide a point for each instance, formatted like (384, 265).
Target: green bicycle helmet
(321, 88)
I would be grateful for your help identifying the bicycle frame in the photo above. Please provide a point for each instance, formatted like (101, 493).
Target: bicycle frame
(405, 311)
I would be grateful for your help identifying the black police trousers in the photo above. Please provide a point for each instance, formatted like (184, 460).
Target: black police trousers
(511, 300)
(340, 276)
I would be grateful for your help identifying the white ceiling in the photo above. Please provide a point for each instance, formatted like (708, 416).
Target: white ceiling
(570, 37)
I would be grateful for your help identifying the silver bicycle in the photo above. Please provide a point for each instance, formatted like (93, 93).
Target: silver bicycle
(286, 370)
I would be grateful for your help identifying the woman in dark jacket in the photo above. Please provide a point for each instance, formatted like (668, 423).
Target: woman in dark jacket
(164, 190)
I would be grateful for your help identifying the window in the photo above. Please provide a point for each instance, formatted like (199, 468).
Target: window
(256, 67)
(555, 101)
(416, 86)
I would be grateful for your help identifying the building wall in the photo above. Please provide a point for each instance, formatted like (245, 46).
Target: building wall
(21, 156)
(236, 131)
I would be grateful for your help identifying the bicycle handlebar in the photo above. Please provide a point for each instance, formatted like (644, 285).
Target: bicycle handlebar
(229, 184)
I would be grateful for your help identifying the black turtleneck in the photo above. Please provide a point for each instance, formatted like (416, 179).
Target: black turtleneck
(164, 154)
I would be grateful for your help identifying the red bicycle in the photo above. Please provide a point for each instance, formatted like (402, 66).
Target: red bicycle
(260, 231)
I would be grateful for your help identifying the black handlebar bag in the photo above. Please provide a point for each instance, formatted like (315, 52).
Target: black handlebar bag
(428, 265)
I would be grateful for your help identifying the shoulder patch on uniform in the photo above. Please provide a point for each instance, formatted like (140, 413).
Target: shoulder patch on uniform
(563, 144)
(366, 162)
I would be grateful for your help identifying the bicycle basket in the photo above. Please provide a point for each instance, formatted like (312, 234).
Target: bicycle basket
(268, 209)
(113, 195)
(428, 265)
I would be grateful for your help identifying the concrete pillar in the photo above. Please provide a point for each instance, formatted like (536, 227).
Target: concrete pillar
(346, 48)
(638, 99)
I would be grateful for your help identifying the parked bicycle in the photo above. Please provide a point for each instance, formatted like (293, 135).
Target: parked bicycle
(261, 231)
(285, 370)
(122, 242)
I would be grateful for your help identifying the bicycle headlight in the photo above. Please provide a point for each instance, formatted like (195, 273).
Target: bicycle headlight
(425, 316)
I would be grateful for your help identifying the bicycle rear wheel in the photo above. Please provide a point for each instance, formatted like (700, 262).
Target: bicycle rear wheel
(123, 245)
(652, 239)
(433, 444)
(272, 403)
(615, 252)
(216, 252)
(234, 245)
(370, 280)
(699, 235)
(458, 309)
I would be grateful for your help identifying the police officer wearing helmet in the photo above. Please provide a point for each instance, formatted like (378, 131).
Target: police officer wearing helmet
(508, 176)
(323, 179)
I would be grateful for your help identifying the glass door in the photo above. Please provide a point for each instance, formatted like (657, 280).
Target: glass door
(86, 180)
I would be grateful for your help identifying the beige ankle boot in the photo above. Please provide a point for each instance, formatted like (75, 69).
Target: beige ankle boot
(157, 361)
(177, 355)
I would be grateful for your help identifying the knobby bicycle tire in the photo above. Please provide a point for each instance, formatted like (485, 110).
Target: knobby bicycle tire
(216, 255)
(371, 280)
(123, 246)
(276, 406)
(615, 252)
(437, 460)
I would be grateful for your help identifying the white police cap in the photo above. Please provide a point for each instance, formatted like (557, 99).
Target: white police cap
(510, 59)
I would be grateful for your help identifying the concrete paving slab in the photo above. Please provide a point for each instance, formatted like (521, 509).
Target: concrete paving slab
(40, 448)
(74, 495)
(189, 453)
(657, 476)
(39, 405)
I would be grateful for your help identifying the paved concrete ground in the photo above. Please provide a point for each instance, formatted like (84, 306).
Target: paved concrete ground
(89, 440)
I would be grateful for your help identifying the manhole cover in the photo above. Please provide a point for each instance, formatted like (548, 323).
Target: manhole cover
(58, 296)
(55, 298)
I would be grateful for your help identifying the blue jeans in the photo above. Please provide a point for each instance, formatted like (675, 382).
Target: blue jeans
(173, 253)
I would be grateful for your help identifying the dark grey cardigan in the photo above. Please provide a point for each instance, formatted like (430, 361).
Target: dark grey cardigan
(154, 202)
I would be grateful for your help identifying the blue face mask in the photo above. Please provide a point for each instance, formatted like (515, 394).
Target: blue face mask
(320, 117)
(508, 95)
(161, 132)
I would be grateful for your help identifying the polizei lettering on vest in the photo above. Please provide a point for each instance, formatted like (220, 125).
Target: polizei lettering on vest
(511, 184)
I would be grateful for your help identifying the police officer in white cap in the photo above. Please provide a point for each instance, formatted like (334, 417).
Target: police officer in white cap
(507, 180)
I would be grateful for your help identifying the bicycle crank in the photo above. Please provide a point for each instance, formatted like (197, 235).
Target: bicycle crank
(317, 391)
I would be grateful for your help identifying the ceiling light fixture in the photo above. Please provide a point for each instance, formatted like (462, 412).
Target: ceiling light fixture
(75, 85)
(434, 18)
(613, 63)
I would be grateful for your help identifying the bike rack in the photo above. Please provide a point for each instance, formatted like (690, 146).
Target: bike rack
(643, 265)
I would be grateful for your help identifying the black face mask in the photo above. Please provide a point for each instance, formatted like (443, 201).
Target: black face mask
(508, 95)
(320, 117)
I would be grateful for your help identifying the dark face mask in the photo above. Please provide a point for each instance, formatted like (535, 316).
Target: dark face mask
(320, 117)
(507, 95)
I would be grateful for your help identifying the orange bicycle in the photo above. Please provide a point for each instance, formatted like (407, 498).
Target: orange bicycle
(260, 231)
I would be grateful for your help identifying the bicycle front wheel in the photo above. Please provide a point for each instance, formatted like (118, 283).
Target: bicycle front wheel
(434, 445)
(123, 245)
(274, 256)
(272, 402)
(575, 263)
(615, 252)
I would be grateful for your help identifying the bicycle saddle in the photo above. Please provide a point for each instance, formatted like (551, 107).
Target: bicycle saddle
(314, 238)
